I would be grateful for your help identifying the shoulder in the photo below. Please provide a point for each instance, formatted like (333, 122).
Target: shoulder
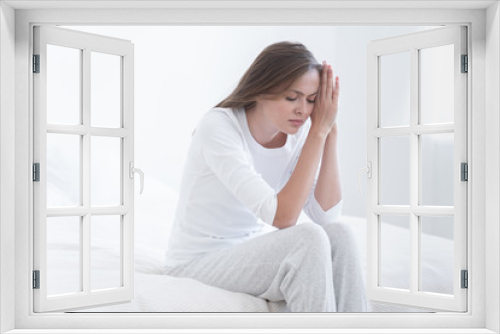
(219, 125)
(219, 118)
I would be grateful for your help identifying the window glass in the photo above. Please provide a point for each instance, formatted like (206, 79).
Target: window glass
(63, 255)
(105, 90)
(105, 171)
(437, 170)
(436, 254)
(437, 100)
(63, 85)
(395, 90)
(63, 170)
(105, 240)
(395, 251)
(395, 170)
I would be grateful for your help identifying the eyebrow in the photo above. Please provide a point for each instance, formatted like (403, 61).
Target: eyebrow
(300, 93)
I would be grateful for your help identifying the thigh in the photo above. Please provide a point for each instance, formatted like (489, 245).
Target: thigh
(251, 267)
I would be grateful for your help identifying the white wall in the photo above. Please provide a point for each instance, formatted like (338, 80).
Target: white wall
(7, 117)
(492, 162)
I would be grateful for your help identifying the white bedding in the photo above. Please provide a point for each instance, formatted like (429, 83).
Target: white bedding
(155, 292)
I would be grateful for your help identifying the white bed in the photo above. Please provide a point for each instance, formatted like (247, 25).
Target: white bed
(156, 292)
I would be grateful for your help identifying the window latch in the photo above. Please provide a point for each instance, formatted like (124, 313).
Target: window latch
(133, 170)
(367, 170)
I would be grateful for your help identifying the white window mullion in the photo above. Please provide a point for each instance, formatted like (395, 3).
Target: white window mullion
(392, 209)
(414, 171)
(444, 211)
(40, 156)
(86, 177)
(81, 211)
(460, 155)
(432, 129)
(85, 254)
(373, 233)
(127, 227)
(417, 129)
(82, 130)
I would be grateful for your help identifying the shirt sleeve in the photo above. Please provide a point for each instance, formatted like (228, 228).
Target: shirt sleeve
(316, 213)
(221, 145)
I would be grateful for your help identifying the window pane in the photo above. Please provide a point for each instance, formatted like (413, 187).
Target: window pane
(395, 170)
(63, 85)
(63, 170)
(105, 171)
(436, 251)
(395, 90)
(63, 255)
(437, 85)
(395, 251)
(105, 90)
(106, 252)
(437, 169)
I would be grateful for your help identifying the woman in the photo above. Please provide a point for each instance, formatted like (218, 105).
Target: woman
(261, 156)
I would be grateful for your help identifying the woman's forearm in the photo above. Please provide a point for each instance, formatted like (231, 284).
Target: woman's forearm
(328, 190)
(292, 197)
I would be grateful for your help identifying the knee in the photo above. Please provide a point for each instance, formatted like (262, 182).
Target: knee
(313, 238)
(340, 235)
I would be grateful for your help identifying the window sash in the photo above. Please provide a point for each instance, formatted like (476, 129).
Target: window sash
(86, 43)
(413, 297)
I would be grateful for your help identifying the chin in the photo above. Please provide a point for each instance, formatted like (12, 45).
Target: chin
(292, 131)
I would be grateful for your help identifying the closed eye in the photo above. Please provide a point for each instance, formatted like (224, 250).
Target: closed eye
(295, 99)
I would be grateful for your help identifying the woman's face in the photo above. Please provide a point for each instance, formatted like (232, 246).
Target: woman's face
(288, 111)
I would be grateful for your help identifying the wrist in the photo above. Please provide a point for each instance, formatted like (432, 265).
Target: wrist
(334, 131)
(319, 131)
(331, 140)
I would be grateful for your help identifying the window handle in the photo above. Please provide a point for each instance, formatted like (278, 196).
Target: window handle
(367, 170)
(133, 170)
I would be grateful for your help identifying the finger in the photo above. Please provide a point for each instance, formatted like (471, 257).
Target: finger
(337, 88)
(324, 78)
(329, 85)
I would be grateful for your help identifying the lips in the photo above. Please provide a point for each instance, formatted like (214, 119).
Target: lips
(297, 122)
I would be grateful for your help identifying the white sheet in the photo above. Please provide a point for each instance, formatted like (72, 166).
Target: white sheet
(155, 292)
(162, 293)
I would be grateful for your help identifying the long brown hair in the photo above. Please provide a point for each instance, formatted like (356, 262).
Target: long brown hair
(272, 72)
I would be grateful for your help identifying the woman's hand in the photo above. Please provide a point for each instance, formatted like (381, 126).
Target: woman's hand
(324, 114)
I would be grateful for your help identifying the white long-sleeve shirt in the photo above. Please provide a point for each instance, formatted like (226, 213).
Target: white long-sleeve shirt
(230, 184)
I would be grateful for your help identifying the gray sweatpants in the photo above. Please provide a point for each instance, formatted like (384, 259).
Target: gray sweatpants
(312, 268)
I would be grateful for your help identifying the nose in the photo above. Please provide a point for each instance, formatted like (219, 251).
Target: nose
(301, 108)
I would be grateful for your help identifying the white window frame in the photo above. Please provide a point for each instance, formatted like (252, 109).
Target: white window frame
(483, 125)
(124, 51)
(412, 44)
